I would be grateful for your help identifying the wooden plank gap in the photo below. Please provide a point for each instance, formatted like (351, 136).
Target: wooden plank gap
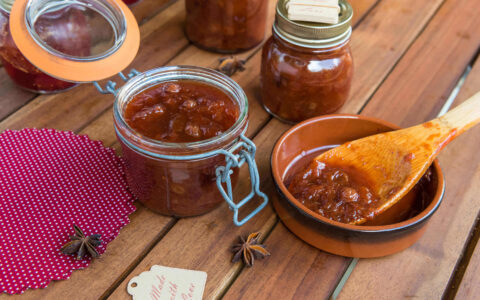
(459, 85)
(463, 261)
(34, 96)
(344, 279)
(141, 256)
(364, 14)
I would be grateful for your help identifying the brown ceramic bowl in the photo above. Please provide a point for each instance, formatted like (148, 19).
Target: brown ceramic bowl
(335, 237)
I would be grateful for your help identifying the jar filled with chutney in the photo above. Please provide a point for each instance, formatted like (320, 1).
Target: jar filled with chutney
(226, 26)
(66, 31)
(179, 128)
(307, 67)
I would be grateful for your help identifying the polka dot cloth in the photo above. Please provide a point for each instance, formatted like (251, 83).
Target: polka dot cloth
(50, 180)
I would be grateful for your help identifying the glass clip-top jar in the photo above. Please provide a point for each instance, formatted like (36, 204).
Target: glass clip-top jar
(307, 67)
(167, 174)
(72, 39)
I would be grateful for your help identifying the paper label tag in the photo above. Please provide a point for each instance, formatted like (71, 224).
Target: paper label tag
(162, 283)
(320, 11)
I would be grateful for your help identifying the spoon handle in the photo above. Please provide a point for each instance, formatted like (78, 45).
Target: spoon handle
(464, 116)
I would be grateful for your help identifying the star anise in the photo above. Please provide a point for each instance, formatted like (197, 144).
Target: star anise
(249, 250)
(230, 65)
(81, 244)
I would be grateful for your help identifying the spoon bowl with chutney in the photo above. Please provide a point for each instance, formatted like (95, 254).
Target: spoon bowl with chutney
(383, 168)
(392, 231)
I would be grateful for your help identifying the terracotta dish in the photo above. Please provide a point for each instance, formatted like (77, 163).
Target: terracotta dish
(391, 232)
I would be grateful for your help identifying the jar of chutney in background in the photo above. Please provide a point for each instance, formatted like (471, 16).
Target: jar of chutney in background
(307, 68)
(226, 26)
(66, 32)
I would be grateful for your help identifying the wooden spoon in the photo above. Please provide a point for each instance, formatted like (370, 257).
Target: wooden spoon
(395, 161)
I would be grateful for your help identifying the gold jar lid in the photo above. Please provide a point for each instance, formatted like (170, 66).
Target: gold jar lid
(310, 34)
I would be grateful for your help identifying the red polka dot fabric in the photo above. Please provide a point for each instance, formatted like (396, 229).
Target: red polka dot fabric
(50, 180)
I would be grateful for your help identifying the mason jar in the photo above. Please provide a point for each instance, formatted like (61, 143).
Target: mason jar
(307, 68)
(226, 26)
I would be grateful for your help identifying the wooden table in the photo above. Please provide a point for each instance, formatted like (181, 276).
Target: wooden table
(413, 60)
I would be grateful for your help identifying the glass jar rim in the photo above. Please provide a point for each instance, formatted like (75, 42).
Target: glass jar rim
(109, 10)
(6, 5)
(153, 77)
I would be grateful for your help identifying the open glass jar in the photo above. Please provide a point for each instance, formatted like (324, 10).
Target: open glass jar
(183, 179)
(180, 179)
(307, 68)
(226, 26)
(20, 70)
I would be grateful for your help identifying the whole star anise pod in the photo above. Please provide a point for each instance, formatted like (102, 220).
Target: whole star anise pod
(249, 250)
(80, 244)
(230, 65)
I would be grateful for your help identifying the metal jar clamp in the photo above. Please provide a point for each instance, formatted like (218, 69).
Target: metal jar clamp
(243, 151)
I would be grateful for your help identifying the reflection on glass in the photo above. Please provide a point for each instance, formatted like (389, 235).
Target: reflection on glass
(77, 29)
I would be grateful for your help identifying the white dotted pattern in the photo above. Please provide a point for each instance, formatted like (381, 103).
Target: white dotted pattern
(50, 180)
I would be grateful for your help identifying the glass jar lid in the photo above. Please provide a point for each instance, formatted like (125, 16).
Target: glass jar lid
(310, 34)
(75, 40)
(6, 5)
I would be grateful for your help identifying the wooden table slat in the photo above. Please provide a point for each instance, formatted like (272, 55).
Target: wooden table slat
(430, 69)
(469, 287)
(380, 41)
(12, 97)
(144, 10)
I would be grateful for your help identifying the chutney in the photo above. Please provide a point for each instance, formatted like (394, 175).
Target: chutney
(65, 31)
(344, 193)
(225, 25)
(337, 192)
(298, 83)
(181, 112)
(176, 127)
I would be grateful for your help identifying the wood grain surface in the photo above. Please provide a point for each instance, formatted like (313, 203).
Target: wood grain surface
(408, 56)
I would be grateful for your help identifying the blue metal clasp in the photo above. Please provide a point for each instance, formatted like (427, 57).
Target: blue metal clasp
(110, 87)
(242, 152)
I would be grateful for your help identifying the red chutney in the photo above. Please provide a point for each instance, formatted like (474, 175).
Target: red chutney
(70, 35)
(307, 68)
(181, 112)
(344, 194)
(226, 25)
(339, 193)
(299, 83)
(130, 2)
